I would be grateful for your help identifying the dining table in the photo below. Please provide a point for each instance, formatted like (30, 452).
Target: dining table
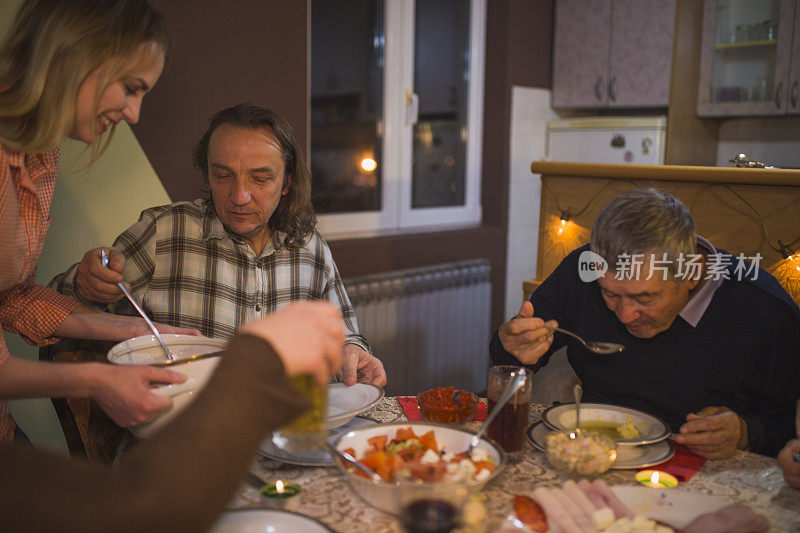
(747, 478)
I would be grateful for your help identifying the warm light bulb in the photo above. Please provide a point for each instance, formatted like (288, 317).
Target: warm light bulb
(279, 487)
(368, 164)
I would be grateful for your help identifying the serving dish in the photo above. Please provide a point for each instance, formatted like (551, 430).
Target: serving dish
(384, 496)
(263, 521)
(196, 357)
(675, 507)
(628, 457)
(447, 405)
(562, 417)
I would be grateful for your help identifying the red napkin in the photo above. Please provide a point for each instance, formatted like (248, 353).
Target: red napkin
(409, 405)
(683, 464)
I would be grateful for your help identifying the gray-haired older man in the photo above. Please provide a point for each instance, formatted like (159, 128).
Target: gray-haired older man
(712, 341)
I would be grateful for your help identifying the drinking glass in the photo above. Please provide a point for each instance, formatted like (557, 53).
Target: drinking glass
(508, 427)
(308, 431)
(430, 507)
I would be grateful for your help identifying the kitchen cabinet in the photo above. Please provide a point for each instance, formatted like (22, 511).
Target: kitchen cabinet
(746, 57)
(612, 53)
(793, 107)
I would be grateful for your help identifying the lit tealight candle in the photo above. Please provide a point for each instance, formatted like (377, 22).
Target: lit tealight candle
(657, 479)
(279, 493)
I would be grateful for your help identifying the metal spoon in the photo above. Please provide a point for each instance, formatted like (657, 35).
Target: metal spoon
(361, 467)
(511, 388)
(124, 289)
(577, 392)
(603, 348)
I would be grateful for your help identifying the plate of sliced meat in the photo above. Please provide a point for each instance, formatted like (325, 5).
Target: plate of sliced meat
(583, 506)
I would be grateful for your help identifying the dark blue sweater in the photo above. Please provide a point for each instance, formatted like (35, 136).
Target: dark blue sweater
(744, 354)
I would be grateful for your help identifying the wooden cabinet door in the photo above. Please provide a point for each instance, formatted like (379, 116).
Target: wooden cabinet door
(793, 95)
(743, 75)
(581, 53)
(642, 33)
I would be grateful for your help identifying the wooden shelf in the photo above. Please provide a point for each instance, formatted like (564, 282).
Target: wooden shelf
(730, 175)
(744, 44)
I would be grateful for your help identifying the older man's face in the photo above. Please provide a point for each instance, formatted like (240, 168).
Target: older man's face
(645, 306)
(246, 176)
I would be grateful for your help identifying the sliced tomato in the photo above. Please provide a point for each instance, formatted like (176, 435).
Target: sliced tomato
(374, 459)
(378, 442)
(351, 451)
(404, 434)
(530, 514)
(429, 441)
(484, 464)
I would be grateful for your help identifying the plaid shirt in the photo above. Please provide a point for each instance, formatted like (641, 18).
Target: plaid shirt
(27, 182)
(187, 270)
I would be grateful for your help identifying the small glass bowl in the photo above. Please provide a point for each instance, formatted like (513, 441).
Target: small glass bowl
(581, 454)
(447, 405)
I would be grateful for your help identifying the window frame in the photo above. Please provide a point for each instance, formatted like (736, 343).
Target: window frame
(396, 214)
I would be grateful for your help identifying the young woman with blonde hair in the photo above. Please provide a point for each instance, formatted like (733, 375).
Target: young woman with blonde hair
(68, 69)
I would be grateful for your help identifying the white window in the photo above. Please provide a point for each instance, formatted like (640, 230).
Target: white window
(396, 114)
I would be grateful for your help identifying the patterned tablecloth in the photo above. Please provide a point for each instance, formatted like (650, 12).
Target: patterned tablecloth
(751, 479)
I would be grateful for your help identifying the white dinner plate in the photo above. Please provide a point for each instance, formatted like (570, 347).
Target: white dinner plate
(266, 521)
(562, 416)
(313, 457)
(628, 457)
(676, 507)
(346, 402)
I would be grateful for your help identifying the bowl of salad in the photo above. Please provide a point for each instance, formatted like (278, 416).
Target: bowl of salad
(429, 452)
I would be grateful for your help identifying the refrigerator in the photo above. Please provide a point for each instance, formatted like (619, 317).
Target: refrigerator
(617, 140)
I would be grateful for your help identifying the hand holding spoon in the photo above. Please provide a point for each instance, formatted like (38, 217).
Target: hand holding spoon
(124, 289)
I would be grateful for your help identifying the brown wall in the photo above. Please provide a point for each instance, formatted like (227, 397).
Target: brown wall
(223, 53)
(221, 57)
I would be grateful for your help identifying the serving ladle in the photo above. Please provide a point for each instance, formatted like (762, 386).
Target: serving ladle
(124, 289)
(603, 348)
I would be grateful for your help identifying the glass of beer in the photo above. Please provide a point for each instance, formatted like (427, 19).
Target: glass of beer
(308, 431)
(508, 427)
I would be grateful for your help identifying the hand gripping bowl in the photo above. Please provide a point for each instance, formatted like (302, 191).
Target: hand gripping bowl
(384, 495)
(196, 357)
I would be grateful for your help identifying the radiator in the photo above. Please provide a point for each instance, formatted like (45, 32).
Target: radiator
(429, 326)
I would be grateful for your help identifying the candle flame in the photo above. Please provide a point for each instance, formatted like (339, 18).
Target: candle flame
(279, 487)
(654, 479)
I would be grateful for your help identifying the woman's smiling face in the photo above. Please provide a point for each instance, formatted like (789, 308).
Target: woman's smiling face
(120, 100)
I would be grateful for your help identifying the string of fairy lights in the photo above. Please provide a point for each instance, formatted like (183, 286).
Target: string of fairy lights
(787, 272)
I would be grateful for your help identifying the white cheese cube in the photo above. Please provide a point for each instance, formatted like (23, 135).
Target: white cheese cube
(483, 474)
(602, 518)
(429, 457)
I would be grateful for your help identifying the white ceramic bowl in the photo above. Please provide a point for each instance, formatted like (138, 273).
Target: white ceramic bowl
(562, 417)
(384, 496)
(196, 357)
(344, 402)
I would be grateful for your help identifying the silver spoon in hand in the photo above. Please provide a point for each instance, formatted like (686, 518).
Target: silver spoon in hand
(124, 289)
(603, 348)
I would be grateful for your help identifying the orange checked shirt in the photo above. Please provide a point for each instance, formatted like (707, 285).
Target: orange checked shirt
(27, 182)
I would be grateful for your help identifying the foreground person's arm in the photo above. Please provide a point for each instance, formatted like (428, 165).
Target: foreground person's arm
(181, 478)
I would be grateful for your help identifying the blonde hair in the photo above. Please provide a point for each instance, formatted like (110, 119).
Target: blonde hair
(52, 46)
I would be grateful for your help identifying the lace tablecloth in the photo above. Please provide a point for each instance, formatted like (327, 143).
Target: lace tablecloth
(751, 479)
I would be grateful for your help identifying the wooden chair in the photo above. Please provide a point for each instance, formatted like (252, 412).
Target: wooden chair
(89, 432)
